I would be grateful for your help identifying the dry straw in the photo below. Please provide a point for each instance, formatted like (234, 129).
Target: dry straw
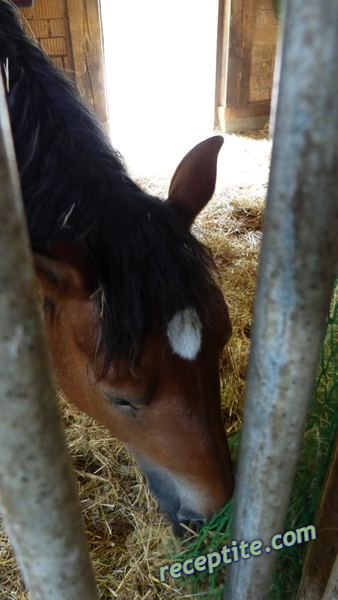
(128, 536)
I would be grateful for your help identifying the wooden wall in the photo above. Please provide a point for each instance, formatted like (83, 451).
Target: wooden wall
(263, 51)
(70, 32)
(247, 39)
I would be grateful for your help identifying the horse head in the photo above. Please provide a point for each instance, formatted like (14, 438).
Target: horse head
(166, 407)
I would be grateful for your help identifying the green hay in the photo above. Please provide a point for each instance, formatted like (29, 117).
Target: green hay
(319, 437)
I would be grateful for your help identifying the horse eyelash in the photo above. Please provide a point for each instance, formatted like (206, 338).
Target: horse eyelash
(68, 215)
(119, 401)
(6, 71)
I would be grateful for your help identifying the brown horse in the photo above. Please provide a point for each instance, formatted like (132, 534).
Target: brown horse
(135, 320)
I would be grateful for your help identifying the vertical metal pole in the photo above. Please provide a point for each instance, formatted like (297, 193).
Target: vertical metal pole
(38, 499)
(298, 264)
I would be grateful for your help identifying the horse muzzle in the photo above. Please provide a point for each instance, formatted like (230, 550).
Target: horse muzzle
(186, 506)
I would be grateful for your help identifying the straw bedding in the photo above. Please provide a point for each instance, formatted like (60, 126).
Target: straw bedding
(128, 536)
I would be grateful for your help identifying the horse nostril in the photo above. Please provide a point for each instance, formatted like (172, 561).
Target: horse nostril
(190, 525)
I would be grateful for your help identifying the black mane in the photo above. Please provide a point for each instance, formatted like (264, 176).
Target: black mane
(76, 190)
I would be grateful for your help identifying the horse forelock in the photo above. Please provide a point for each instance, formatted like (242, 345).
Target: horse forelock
(76, 189)
(153, 269)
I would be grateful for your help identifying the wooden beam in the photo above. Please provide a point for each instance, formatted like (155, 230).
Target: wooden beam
(331, 592)
(322, 552)
(223, 23)
(245, 55)
(87, 48)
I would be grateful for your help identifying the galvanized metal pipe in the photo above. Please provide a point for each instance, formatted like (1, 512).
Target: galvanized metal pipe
(38, 499)
(298, 264)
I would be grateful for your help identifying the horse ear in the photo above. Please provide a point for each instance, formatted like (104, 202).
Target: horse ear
(194, 180)
(58, 276)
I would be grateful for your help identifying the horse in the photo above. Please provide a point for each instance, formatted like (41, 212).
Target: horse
(134, 316)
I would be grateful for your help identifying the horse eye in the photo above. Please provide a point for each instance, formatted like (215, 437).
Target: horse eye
(119, 401)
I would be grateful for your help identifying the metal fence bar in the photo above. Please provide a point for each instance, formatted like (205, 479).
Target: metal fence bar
(298, 264)
(38, 499)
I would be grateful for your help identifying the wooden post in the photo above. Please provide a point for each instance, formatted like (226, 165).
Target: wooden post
(38, 498)
(298, 265)
(331, 592)
(87, 48)
(246, 40)
(323, 552)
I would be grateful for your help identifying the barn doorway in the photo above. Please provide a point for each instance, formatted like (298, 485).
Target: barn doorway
(160, 63)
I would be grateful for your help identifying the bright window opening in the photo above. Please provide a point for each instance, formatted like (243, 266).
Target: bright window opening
(160, 69)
